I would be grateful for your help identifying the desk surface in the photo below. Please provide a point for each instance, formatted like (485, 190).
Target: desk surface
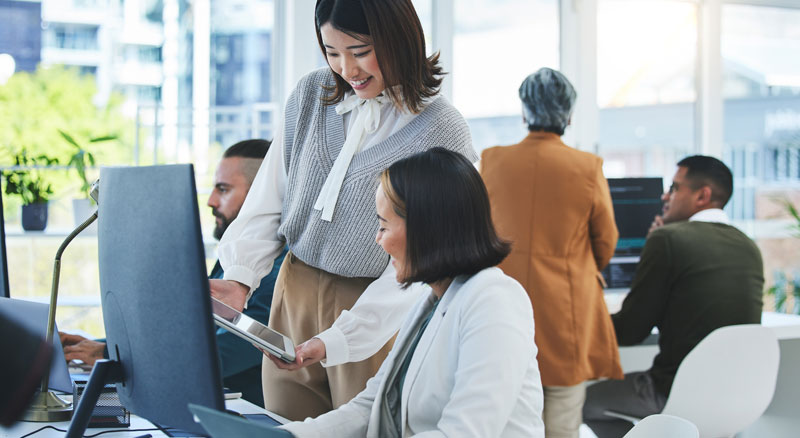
(784, 325)
(21, 428)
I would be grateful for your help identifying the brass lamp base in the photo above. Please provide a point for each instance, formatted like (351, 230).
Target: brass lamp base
(48, 407)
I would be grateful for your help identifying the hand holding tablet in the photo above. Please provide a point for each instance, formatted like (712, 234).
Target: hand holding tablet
(307, 353)
(252, 331)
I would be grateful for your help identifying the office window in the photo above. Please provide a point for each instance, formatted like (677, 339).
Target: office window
(496, 44)
(761, 88)
(241, 47)
(149, 54)
(761, 91)
(146, 93)
(87, 70)
(646, 62)
(70, 36)
(424, 10)
(154, 10)
(90, 4)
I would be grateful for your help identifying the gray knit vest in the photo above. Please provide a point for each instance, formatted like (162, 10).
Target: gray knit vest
(313, 137)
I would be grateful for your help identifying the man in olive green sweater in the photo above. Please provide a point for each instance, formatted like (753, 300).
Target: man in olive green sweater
(696, 273)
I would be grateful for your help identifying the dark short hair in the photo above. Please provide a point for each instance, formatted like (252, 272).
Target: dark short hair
(702, 171)
(254, 148)
(449, 228)
(394, 30)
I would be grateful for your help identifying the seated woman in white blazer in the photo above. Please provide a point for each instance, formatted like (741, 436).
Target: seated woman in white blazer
(464, 362)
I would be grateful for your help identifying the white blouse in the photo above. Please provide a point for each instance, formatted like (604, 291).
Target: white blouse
(251, 244)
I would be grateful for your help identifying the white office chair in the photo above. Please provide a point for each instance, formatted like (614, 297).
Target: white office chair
(663, 426)
(726, 382)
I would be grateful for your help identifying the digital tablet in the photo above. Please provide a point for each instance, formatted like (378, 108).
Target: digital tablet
(252, 331)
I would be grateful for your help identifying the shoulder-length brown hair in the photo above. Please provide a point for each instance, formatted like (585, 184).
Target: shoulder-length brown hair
(399, 43)
(449, 228)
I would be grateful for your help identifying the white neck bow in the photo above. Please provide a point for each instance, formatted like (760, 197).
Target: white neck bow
(367, 121)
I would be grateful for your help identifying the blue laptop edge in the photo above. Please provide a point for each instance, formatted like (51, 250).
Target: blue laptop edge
(223, 425)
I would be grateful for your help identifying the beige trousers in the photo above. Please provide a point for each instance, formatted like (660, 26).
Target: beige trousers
(306, 302)
(563, 407)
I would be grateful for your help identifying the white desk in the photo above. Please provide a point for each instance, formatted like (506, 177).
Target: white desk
(21, 428)
(640, 357)
(781, 418)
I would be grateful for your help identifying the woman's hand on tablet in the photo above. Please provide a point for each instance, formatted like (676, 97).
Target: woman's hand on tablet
(307, 353)
(229, 292)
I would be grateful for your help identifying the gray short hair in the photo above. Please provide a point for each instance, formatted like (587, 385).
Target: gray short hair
(547, 100)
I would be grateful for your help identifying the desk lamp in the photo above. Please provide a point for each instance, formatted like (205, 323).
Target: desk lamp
(46, 405)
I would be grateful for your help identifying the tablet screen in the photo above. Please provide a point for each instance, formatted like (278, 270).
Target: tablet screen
(247, 324)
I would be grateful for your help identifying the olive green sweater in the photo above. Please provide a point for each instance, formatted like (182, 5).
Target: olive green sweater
(693, 277)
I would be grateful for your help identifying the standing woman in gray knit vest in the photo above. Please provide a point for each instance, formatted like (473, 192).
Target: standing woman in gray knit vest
(336, 291)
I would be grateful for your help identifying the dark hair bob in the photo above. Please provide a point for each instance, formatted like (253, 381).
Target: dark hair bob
(449, 228)
(394, 30)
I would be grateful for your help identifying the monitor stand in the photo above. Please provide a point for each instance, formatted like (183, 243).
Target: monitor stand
(105, 371)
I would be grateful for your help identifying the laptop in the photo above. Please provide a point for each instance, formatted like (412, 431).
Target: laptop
(224, 425)
(33, 316)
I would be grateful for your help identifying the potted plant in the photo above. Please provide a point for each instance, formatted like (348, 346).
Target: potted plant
(27, 181)
(81, 160)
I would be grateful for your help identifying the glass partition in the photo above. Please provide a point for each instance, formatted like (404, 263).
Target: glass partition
(496, 45)
(761, 91)
(646, 63)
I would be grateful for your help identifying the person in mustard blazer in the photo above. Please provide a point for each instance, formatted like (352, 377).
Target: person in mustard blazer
(553, 203)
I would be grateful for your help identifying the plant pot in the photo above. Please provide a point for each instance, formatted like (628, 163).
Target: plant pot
(34, 216)
(81, 210)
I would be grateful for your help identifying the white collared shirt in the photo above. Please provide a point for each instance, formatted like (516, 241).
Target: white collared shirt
(711, 215)
(251, 244)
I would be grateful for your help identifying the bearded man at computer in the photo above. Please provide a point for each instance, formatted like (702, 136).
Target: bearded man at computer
(240, 361)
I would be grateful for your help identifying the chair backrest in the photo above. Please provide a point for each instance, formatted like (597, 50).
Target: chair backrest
(726, 382)
(663, 426)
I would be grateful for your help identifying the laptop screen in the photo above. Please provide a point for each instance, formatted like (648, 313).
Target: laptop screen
(33, 316)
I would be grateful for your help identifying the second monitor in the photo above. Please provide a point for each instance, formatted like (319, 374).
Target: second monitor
(636, 202)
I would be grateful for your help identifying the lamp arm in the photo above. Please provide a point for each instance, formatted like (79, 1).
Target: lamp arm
(51, 314)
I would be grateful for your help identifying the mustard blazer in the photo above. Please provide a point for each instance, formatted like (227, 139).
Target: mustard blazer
(553, 203)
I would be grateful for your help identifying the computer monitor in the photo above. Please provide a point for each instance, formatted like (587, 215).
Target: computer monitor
(636, 202)
(155, 298)
(3, 257)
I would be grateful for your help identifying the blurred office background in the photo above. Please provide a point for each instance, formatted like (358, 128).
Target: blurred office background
(178, 80)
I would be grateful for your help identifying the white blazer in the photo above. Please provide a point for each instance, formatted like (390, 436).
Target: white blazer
(473, 374)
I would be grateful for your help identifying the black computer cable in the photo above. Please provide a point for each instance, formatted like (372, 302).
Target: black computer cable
(92, 435)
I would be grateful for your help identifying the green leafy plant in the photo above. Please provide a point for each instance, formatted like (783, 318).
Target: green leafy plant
(34, 105)
(792, 210)
(81, 159)
(783, 287)
(26, 179)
